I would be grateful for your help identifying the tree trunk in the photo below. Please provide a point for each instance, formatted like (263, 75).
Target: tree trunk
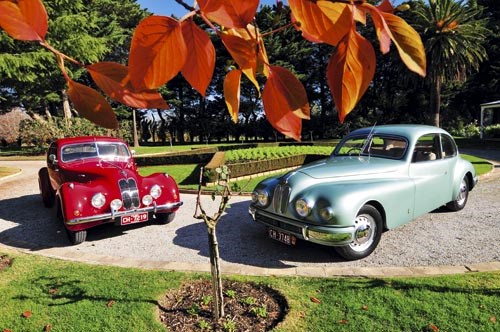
(435, 101)
(134, 129)
(216, 275)
(66, 106)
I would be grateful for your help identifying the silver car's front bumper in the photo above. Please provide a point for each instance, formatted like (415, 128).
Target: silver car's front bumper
(117, 214)
(330, 236)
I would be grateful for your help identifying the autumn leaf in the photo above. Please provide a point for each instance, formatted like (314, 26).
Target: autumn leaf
(47, 328)
(315, 300)
(364, 307)
(27, 314)
(24, 19)
(285, 102)
(386, 6)
(408, 42)
(200, 62)
(383, 32)
(232, 93)
(110, 303)
(7, 330)
(244, 52)
(53, 291)
(433, 327)
(229, 13)
(92, 105)
(158, 52)
(350, 71)
(251, 35)
(493, 319)
(112, 78)
(343, 321)
(319, 24)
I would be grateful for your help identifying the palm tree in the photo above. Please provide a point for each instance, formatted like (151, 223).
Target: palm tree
(454, 34)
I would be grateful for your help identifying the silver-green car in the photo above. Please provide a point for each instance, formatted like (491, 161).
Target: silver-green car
(376, 179)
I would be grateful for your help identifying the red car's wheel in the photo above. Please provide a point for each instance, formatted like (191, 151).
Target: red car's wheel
(48, 194)
(76, 237)
(165, 218)
(73, 237)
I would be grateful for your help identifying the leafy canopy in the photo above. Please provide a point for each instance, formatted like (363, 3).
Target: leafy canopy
(163, 47)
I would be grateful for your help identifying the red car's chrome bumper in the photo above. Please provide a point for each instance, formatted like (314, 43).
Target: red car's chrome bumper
(116, 214)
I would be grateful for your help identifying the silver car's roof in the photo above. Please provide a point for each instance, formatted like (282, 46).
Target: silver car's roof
(406, 130)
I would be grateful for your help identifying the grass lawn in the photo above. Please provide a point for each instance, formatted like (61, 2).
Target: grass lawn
(480, 165)
(38, 292)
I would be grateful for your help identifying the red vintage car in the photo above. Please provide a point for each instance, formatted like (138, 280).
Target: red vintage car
(94, 180)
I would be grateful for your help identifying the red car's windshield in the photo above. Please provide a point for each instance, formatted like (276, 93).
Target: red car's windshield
(104, 150)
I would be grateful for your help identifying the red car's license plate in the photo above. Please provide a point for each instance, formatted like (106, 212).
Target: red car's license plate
(135, 218)
(282, 237)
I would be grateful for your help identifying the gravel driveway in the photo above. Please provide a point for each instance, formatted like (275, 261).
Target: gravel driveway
(438, 238)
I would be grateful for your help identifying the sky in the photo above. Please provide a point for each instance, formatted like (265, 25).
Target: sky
(169, 7)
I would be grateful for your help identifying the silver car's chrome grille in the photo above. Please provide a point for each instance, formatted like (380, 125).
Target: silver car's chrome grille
(130, 193)
(280, 198)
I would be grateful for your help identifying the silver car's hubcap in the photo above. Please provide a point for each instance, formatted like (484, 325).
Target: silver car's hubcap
(462, 195)
(364, 232)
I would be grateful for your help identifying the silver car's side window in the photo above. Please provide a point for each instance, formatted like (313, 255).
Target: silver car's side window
(427, 148)
(449, 147)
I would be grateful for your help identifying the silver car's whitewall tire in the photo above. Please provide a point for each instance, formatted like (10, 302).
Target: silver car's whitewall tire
(459, 202)
(369, 226)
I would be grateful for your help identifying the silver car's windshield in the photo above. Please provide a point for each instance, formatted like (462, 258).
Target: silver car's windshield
(392, 147)
(104, 150)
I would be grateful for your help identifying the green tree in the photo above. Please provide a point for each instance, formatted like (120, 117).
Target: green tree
(86, 30)
(454, 34)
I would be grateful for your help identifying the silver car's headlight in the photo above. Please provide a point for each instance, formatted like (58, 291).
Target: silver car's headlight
(326, 213)
(98, 200)
(260, 197)
(303, 208)
(155, 191)
(116, 204)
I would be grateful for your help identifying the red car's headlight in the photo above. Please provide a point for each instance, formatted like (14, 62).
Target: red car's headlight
(98, 200)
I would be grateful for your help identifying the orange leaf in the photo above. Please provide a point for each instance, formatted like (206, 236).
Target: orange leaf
(343, 321)
(493, 319)
(47, 328)
(232, 93)
(200, 63)
(285, 102)
(350, 72)
(229, 13)
(383, 32)
(251, 34)
(408, 42)
(7, 330)
(24, 19)
(386, 6)
(315, 300)
(27, 314)
(111, 77)
(92, 105)
(244, 52)
(110, 303)
(433, 327)
(319, 24)
(364, 307)
(158, 52)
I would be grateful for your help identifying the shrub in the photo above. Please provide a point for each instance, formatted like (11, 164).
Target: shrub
(492, 131)
(43, 132)
(470, 130)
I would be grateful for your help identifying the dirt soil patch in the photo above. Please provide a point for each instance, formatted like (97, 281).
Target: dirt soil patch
(5, 262)
(247, 307)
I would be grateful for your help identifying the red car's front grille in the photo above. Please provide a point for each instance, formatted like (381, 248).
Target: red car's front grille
(130, 193)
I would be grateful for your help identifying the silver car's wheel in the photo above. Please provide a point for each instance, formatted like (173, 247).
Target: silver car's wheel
(367, 233)
(459, 202)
